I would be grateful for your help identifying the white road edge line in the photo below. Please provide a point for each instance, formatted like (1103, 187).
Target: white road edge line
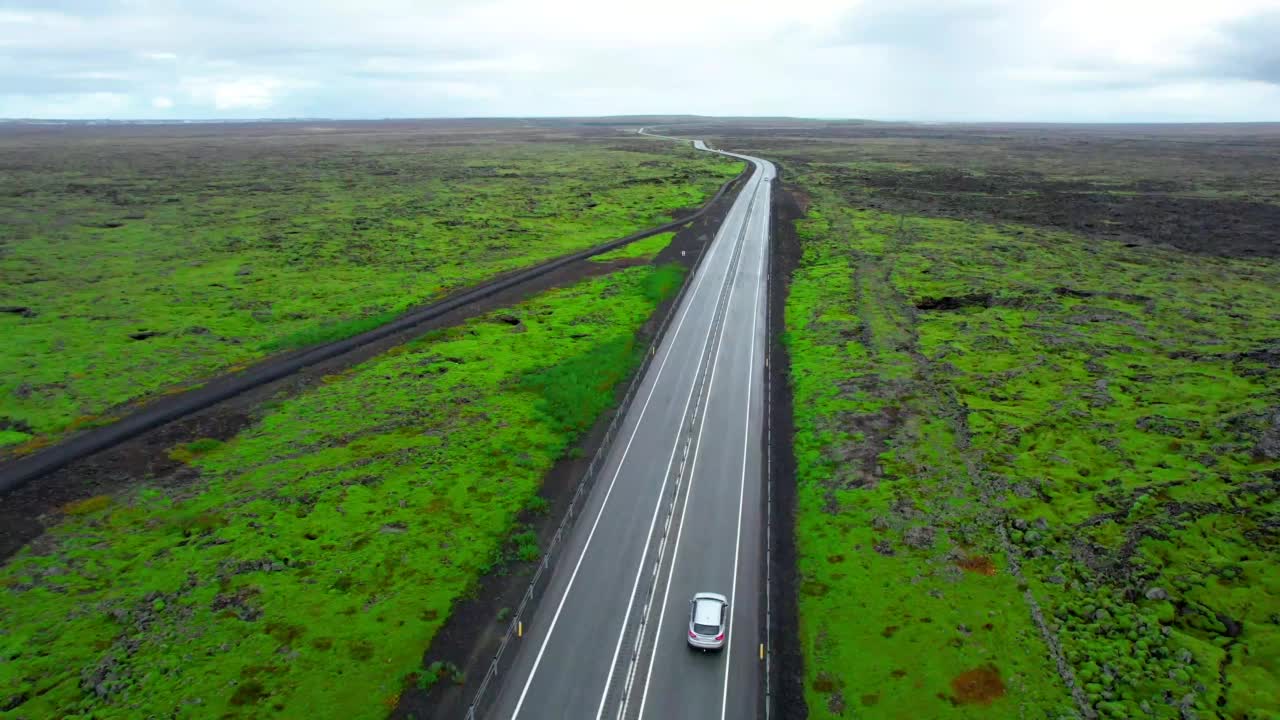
(746, 435)
(657, 508)
(693, 475)
(574, 575)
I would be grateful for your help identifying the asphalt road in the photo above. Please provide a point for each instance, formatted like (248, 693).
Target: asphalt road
(677, 510)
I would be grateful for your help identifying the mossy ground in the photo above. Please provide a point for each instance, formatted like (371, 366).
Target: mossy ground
(645, 249)
(309, 565)
(974, 396)
(138, 264)
(903, 581)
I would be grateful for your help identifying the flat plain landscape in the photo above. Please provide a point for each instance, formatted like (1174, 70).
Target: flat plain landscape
(139, 261)
(303, 561)
(1034, 384)
(1036, 378)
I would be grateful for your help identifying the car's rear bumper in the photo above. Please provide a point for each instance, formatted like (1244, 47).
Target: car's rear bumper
(706, 644)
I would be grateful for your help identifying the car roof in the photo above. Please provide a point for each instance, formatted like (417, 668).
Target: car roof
(706, 611)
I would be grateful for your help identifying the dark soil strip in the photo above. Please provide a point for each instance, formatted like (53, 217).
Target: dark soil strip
(786, 681)
(470, 637)
(23, 470)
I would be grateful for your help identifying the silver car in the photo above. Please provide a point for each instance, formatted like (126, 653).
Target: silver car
(708, 621)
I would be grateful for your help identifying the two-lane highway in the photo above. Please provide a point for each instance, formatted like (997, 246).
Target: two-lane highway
(677, 509)
(720, 520)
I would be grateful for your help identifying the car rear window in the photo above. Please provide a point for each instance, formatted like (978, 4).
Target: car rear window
(706, 629)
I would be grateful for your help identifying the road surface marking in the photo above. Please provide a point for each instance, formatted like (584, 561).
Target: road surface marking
(555, 619)
(703, 390)
(693, 475)
(746, 434)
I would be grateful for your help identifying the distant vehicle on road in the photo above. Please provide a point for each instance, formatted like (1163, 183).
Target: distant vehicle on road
(708, 617)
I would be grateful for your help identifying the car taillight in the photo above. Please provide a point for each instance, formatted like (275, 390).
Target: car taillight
(720, 637)
(693, 635)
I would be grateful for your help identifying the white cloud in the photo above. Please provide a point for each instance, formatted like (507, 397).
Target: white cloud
(248, 93)
(8, 17)
(921, 59)
(523, 63)
(92, 75)
(161, 103)
(465, 90)
(84, 106)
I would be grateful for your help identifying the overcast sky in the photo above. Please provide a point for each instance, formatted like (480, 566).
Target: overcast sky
(1048, 60)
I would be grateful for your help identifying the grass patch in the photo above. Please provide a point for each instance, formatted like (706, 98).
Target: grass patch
(322, 548)
(327, 333)
(538, 505)
(645, 249)
(87, 506)
(13, 437)
(187, 452)
(438, 671)
(575, 392)
(663, 282)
